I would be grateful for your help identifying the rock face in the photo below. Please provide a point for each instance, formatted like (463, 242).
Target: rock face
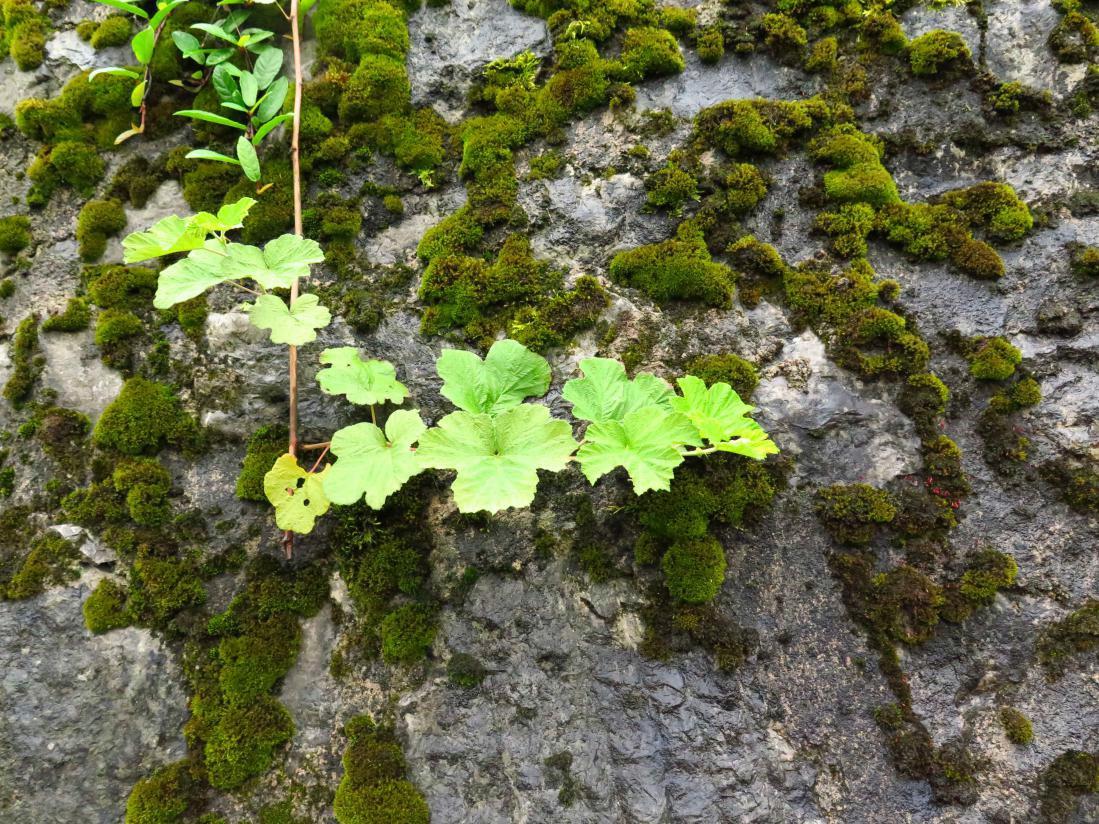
(573, 722)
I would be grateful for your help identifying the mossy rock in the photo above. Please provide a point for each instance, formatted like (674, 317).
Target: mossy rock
(145, 417)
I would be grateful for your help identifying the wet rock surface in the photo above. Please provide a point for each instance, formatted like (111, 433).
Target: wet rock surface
(789, 735)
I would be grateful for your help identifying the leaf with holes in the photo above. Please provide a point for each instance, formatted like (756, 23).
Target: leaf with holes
(606, 394)
(297, 496)
(373, 464)
(647, 442)
(508, 374)
(365, 382)
(497, 457)
(294, 325)
(278, 265)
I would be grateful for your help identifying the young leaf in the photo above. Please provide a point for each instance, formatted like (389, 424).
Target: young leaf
(129, 7)
(210, 117)
(249, 88)
(114, 71)
(509, 373)
(165, 237)
(751, 441)
(217, 57)
(133, 131)
(497, 457)
(295, 325)
(645, 442)
(142, 44)
(282, 260)
(230, 216)
(252, 38)
(163, 11)
(215, 31)
(272, 102)
(188, 45)
(267, 67)
(606, 394)
(297, 496)
(364, 382)
(718, 412)
(224, 82)
(206, 154)
(190, 277)
(270, 125)
(249, 161)
(137, 93)
(372, 463)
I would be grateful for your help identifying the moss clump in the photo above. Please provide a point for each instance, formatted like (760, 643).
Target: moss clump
(162, 798)
(679, 269)
(114, 326)
(852, 512)
(849, 227)
(456, 234)
(162, 585)
(120, 287)
(783, 37)
(61, 433)
(98, 220)
(1022, 394)
(24, 33)
(407, 633)
(924, 399)
(726, 368)
(243, 743)
(742, 188)
(379, 86)
(942, 461)
(1085, 261)
(994, 207)
(136, 181)
(648, 52)
(1075, 39)
(192, 315)
(1077, 632)
(144, 418)
(465, 671)
(938, 52)
(374, 788)
(105, 609)
(760, 127)
(988, 573)
(862, 183)
(15, 234)
(993, 359)
(77, 164)
(1016, 726)
(711, 45)
(1071, 774)
(264, 447)
(51, 560)
(27, 363)
(905, 604)
(694, 570)
(352, 29)
(1077, 482)
(554, 321)
(114, 31)
(671, 188)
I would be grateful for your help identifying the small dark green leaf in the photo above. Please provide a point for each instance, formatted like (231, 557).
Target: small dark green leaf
(249, 162)
(272, 102)
(269, 126)
(268, 65)
(215, 31)
(248, 88)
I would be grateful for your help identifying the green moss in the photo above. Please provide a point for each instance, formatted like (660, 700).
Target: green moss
(114, 31)
(264, 447)
(192, 315)
(994, 207)
(554, 321)
(252, 663)
(674, 270)
(1016, 726)
(862, 183)
(924, 399)
(243, 743)
(15, 234)
(98, 220)
(382, 803)
(942, 462)
(463, 670)
(77, 164)
(1078, 483)
(648, 52)
(937, 52)
(782, 36)
(822, 57)
(1077, 632)
(24, 33)
(694, 570)
(456, 234)
(379, 86)
(51, 560)
(105, 609)
(162, 586)
(546, 166)
(1085, 261)
(849, 227)
(852, 512)
(710, 45)
(845, 146)
(26, 361)
(742, 188)
(144, 418)
(671, 188)
(993, 359)
(1071, 774)
(905, 604)
(726, 368)
(1075, 39)
(116, 325)
(162, 798)
(407, 633)
(988, 573)
(882, 32)
(351, 29)
(120, 287)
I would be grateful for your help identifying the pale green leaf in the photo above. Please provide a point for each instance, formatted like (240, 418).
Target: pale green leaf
(249, 161)
(751, 441)
(647, 442)
(130, 7)
(718, 412)
(508, 374)
(190, 277)
(210, 117)
(373, 464)
(497, 457)
(297, 496)
(230, 216)
(270, 126)
(364, 382)
(114, 71)
(142, 45)
(137, 93)
(293, 325)
(206, 154)
(215, 31)
(606, 394)
(188, 44)
(167, 236)
(281, 261)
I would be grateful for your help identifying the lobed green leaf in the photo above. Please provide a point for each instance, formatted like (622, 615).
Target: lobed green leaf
(365, 382)
(372, 465)
(297, 496)
(508, 374)
(294, 325)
